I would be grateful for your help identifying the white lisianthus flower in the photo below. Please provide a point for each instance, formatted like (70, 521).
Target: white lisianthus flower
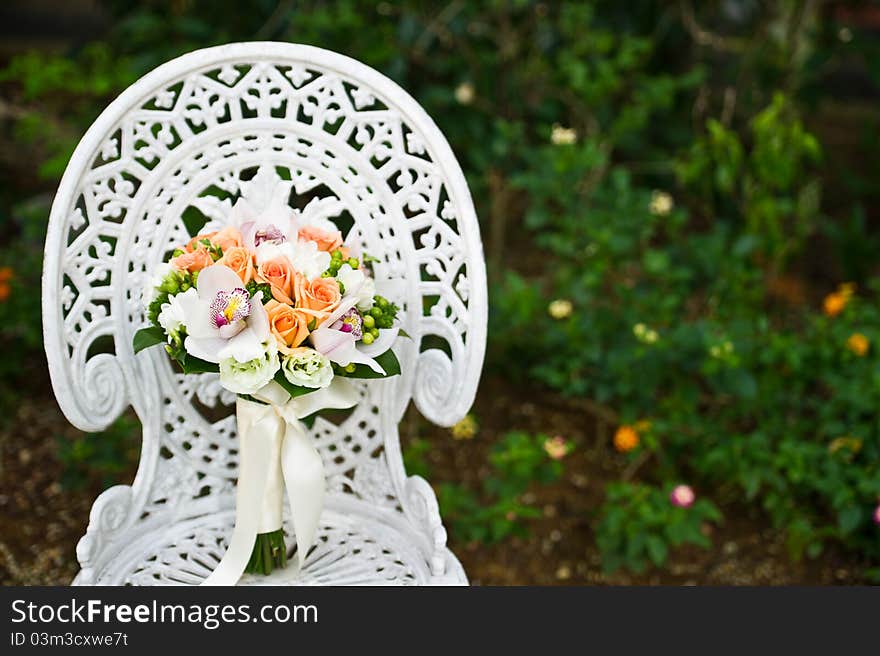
(248, 377)
(355, 282)
(306, 367)
(304, 256)
(173, 314)
(151, 289)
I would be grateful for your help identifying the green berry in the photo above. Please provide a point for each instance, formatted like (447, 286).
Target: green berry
(350, 367)
(353, 263)
(376, 312)
(369, 321)
(385, 322)
(374, 332)
(368, 338)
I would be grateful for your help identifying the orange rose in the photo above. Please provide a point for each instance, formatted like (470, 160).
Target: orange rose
(319, 295)
(327, 241)
(228, 237)
(290, 326)
(239, 260)
(280, 275)
(193, 261)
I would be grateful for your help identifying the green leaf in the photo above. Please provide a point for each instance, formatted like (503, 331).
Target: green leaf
(193, 365)
(290, 388)
(387, 360)
(147, 337)
(657, 550)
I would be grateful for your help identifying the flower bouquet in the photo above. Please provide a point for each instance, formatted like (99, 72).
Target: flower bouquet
(285, 312)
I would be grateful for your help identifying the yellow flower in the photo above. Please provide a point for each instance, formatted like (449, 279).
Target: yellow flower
(556, 447)
(642, 426)
(561, 136)
(851, 444)
(464, 93)
(661, 203)
(644, 334)
(858, 344)
(626, 438)
(560, 308)
(465, 429)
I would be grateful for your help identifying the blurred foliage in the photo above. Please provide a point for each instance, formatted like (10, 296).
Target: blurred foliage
(98, 459)
(691, 180)
(639, 525)
(517, 461)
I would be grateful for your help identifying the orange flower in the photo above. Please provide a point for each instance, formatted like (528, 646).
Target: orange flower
(836, 301)
(239, 259)
(228, 237)
(193, 261)
(319, 294)
(858, 344)
(834, 304)
(5, 277)
(626, 439)
(290, 326)
(327, 241)
(279, 273)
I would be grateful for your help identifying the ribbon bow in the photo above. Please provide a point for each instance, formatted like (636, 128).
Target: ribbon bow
(275, 453)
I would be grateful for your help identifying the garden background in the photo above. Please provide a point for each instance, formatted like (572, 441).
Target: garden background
(679, 211)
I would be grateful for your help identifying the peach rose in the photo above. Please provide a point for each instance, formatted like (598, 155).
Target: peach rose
(279, 273)
(319, 294)
(193, 261)
(327, 241)
(290, 326)
(228, 237)
(239, 259)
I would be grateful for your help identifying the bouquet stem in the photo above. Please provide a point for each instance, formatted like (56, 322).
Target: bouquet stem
(269, 553)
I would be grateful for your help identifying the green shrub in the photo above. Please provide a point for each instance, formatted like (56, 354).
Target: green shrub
(639, 525)
(496, 511)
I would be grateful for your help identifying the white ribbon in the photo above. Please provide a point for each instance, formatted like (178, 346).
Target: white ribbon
(275, 452)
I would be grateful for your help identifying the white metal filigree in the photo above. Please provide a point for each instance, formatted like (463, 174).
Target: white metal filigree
(181, 142)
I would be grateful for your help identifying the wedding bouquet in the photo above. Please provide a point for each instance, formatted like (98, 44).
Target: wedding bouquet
(285, 312)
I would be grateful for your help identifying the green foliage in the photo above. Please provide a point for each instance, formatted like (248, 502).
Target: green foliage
(518, 461)
(639, 526)
(772, 187)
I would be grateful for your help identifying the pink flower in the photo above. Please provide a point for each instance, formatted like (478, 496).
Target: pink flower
(877, 515)
(556, 447)
(682, 496)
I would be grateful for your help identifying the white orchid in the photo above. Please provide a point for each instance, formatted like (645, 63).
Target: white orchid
(360, 284)
(317, 213)
(340, 346)
(222, 321)
(262, 214)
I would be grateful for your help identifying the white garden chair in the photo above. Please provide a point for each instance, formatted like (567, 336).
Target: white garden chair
(179, 138)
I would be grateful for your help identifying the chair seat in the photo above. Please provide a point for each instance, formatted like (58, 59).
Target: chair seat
(351, 549)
